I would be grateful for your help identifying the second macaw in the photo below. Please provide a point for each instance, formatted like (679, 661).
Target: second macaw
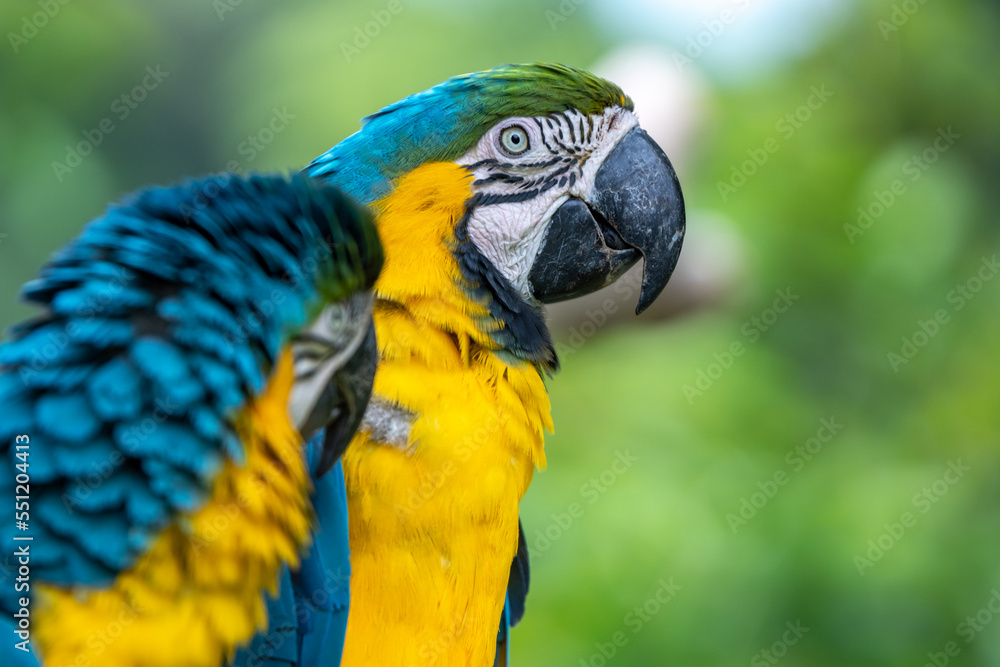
(153, 413)
(493, 193)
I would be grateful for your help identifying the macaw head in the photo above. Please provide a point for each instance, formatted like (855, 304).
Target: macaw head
(565, 190)
(335, 354)
(333, 349)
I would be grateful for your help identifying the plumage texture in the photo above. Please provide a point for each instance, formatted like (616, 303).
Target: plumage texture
(167, 481)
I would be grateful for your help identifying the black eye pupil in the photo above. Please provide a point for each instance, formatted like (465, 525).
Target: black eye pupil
(514, 140)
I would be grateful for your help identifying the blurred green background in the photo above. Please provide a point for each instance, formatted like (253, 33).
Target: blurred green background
(728, 484)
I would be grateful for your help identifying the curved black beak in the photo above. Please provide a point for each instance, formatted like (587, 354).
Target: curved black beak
(341, 405)
(634, 209)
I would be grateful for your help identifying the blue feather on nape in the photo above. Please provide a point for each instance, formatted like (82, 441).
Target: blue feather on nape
(158, 360)
(204, 309)
(115, 391)
(18, 417)
(46, 548)
(99, 332)
(220, 379)
(180, 395)
(79, 569)
(97, 492)
(66, 417)
(41, 290)
(43, 464)
(45, 345)
(59, 378)
(71, 301)
(196, 337)
(246, 362)
(146, 509)
(206, 422)
(83, 458)
(103, 537)
(171, 441)
(112, 273)
(181, 491)
(11, 386)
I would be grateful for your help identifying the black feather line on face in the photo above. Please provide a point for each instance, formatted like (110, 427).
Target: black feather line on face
(489, 199)
(498, 176)
(521, 330)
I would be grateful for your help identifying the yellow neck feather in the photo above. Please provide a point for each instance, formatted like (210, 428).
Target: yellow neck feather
(433, 524)
(416, 224)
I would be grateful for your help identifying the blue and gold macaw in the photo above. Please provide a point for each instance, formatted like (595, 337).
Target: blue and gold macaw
(153, 421)
(493, 193)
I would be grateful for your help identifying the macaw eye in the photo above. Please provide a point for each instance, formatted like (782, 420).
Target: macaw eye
(514, 140)
(337, 317)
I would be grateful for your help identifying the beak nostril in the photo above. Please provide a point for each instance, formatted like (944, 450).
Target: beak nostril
(612, 239)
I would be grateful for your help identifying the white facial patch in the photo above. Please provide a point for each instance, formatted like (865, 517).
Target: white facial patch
(518, 194)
